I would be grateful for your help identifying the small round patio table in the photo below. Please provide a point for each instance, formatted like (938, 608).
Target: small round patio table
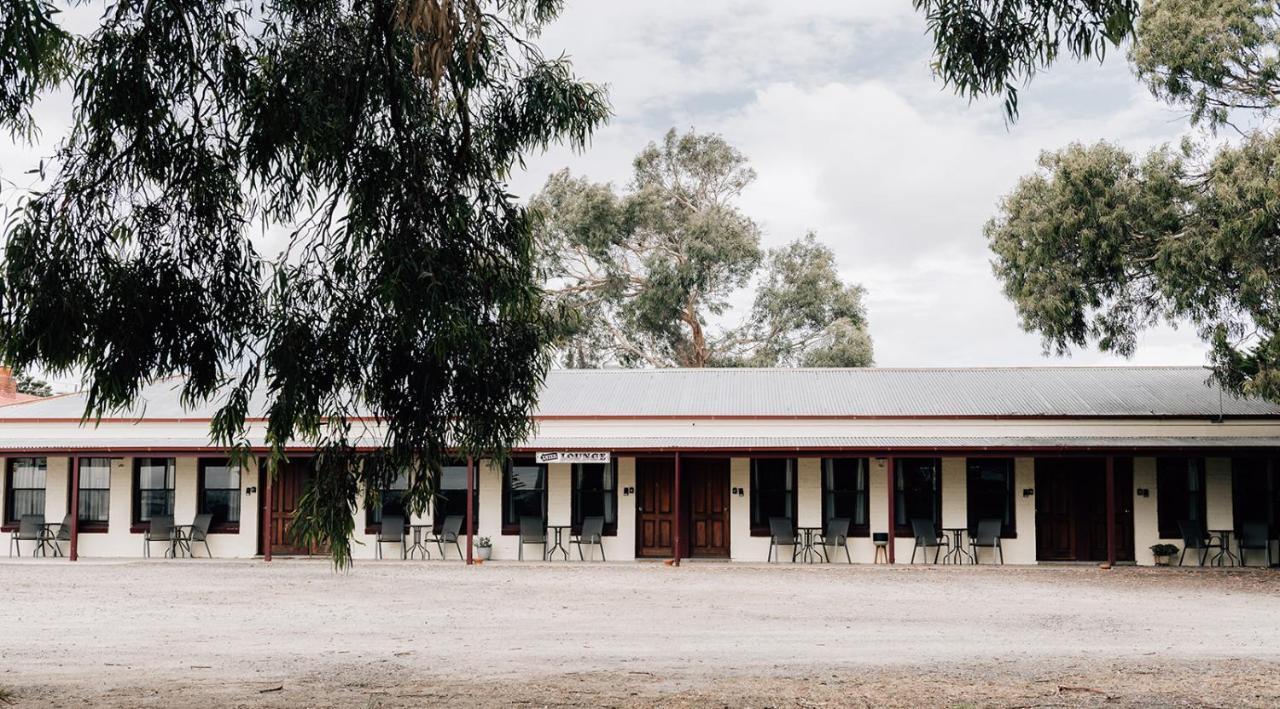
(957, 553)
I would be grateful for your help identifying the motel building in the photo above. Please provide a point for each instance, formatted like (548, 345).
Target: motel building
(1078, 464)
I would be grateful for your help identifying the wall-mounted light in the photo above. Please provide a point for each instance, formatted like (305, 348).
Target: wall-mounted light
(1028, 492)
(1143, 492)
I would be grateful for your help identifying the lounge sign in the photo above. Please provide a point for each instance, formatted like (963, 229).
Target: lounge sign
(564, 457)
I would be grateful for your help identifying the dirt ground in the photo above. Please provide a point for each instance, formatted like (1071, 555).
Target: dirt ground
(390, 634)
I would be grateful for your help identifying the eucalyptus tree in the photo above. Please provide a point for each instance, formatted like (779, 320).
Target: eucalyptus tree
(374, 136)
(1099, 244)
(653, 270)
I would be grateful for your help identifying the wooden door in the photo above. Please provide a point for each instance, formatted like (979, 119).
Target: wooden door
(655, 507)
(1055, 500)
(286, 490)
(708, 507)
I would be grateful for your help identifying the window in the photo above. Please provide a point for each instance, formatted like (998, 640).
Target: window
(390, 502)
(773, 485)
(153, 488)
(918, 493)
(524, 493)
(1179, 494)
(220, 493)
(1255, 487)
(95, 493)
(990, 494)
(844, 493)
(451, 497)
(25, 491)
(595, 495)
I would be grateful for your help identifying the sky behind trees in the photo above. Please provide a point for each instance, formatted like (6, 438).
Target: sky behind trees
(851, 136)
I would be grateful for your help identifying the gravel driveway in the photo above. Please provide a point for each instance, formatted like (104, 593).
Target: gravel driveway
(293, 632)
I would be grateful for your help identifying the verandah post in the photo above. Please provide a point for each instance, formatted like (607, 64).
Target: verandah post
(268, 503)
(679, 508)
(471, 484)
(75, 508)
(1111, 511)
(893, 505)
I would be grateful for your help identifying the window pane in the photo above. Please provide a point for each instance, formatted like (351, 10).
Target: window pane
(95, 473)
(28, 473)
(221, 477)
(772, 490)
(917, 493)
(220, 496)
(593, 492)
(27, 502)
(224, 505)
(155, 473)
(990, 492)
(526, 493)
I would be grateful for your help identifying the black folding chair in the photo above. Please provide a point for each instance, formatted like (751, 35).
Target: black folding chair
(392, 532)
(532, 531)
(782, 534)
(1195, 537)
(836, 534)
(1254, 536)
(592, 535)
(927, 536)
(987, 537)
(160, 531)
(449, 531)
(30, 529)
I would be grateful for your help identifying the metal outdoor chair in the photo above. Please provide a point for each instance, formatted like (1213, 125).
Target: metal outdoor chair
(592, 534)
(30, 529)
(449, 532)
(987, 537)
(199, 534)
(927, 536)
(782, 534)
(532, 531)
(836, 534)
(392, 532)
(160, 531)
(62, 535)
(1195, 537)
(1254, 536)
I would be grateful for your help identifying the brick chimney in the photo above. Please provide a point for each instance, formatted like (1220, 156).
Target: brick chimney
(8, 383)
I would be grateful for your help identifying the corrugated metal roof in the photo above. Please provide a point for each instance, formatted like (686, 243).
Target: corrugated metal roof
(693, 443)
(872, 392)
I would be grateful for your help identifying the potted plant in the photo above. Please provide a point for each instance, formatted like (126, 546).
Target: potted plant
(484, 547)
(1163, 553)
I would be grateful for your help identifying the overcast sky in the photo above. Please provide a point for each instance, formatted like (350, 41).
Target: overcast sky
(851, 136)
(835, 106)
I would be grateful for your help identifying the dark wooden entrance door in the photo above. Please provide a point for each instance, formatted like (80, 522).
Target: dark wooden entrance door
(286, 491)
(655, 507)
(708, 481)
(1071, 509)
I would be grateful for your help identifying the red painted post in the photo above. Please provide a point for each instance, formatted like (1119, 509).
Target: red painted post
(471, 483)
(677, 537)
(268, 503)
(1111, 511)
(75, 508)
(893, 506)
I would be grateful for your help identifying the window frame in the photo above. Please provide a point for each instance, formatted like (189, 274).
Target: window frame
(510, 526)
(202, 464)
(437, 519)
(1168, 528)
(575, 504)
(902, 523)
(10, 523)
(762, 529)
(96, 526)
(374, 526)
(855, 530)
(1265, 468)
(171, 474)
(1009, 527)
